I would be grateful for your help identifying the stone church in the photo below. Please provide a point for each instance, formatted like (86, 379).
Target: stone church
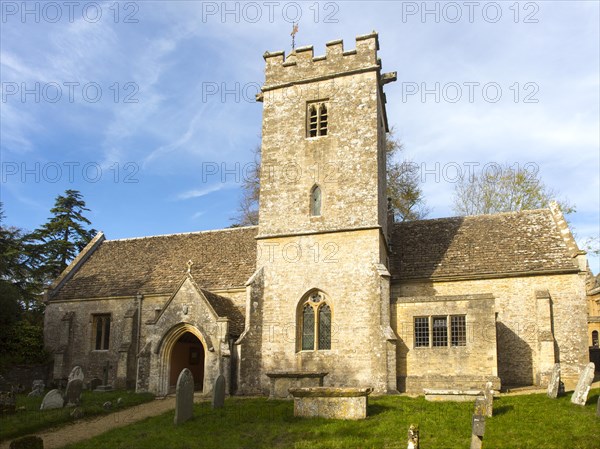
(327, 288)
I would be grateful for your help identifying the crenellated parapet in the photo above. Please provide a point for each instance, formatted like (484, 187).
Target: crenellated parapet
(302, 66)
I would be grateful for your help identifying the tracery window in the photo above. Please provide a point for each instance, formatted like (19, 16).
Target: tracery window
(314, 322)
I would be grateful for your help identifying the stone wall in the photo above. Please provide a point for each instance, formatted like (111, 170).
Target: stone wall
(522, 330)
(448, 367)
(347, 273)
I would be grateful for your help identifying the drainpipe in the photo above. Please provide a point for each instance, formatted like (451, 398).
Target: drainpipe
(139, 298)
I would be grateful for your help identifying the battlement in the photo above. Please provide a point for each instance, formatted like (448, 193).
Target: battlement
(302, 66)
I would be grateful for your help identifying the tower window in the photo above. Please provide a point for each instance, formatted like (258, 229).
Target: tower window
(315, 201)
(101, 332)
(314, 323)
(595, 339)
(317, 119)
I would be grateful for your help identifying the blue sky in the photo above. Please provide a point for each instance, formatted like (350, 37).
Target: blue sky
(136, 104)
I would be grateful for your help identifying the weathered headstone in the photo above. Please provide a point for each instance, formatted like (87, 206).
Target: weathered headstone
(184, 397)
(53, 399)
(478, 424)
(37, 388)
(107, 405)
(8, 402)
(413, 437)
(77, 413)
(95, 383)
(583, 386)
(488, 395)
(73, 392)
(554, 383)
(28, 442)
(219, 392)
(76, 373)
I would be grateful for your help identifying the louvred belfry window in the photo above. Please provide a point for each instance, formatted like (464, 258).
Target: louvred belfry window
(317, 119)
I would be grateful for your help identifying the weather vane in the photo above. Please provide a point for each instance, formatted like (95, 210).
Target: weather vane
(293, 34)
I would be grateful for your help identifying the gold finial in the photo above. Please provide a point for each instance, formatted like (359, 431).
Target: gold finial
(293, 34)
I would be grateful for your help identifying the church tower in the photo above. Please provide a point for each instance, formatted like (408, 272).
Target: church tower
(322, 239)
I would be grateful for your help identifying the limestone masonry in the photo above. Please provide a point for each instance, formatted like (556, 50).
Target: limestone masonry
(327, 289)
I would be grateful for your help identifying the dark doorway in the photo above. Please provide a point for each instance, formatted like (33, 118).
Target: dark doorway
(188, 352)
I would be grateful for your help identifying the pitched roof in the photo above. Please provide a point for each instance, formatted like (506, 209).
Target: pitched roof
(481, 245)
(224, 307)
(155, 265)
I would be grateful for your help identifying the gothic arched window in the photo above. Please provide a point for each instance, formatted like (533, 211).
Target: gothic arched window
(595, 342)
(314, 323)
(315, 201)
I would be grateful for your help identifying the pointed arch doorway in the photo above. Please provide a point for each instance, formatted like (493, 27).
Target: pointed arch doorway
(187, 352)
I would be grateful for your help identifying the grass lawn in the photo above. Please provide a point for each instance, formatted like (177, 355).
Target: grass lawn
(527, 421)
(32, 419)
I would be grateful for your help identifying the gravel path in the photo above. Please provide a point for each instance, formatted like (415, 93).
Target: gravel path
(83, 430)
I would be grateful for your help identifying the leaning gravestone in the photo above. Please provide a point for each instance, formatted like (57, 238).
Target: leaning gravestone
(219, 392)
(73, 392)
(76, 373)
(488, 395)
(583, 386)
(37, 388)
(53, 399)
(184, 397)
(554, 384)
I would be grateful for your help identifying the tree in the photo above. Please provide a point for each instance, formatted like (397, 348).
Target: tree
(56, 243)
(502, 188)
(403, 188)
(403, 179)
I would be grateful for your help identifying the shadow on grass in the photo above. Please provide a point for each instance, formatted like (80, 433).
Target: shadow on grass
(503, 409)
(376, 409)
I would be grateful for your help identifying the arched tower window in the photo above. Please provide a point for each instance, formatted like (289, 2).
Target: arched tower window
(595, 342)
(317, 119)
(315, 201)
(314, 323)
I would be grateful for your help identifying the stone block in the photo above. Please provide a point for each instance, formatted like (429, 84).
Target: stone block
(554, 383)
(331, 403)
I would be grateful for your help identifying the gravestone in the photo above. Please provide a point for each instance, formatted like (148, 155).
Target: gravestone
(583, 386)
(413, 437)
(554, 384)
(76, 373)
(105, 387)
(478, 423)
(8, 402)
(53, 399)
(28, 442)
(95, 383)
(219, 392)
(37, 388)
(488, 395)
(73, 392)
(107, 405)
(184, 397)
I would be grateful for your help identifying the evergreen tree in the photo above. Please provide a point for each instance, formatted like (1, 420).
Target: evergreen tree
(55, 244)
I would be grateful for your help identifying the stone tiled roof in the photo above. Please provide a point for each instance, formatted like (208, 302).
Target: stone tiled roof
(482, 246)
(224, 307)
(155, 265)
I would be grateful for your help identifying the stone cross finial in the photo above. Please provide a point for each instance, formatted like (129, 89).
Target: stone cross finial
(189, 265)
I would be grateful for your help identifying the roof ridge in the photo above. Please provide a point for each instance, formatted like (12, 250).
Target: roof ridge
(180, 233)
(476, 216)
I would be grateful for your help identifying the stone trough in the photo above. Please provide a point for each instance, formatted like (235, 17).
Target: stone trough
(330, 402)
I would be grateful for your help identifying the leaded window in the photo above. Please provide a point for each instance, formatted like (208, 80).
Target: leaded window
(315, 323)
(421, 332)
(440, 331)
(458, 330)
